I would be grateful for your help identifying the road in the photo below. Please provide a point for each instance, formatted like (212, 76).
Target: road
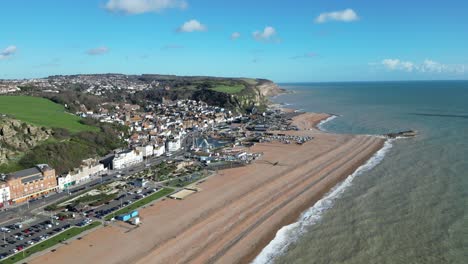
(36, 221)
(24, 211)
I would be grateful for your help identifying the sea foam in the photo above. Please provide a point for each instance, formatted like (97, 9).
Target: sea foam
(323, 122)
(289, 234)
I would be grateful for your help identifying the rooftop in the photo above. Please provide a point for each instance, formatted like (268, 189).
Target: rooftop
(29, 172)
(25, 173)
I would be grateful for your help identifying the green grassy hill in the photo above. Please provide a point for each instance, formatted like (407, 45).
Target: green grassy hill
(229, 89)
(41, 112)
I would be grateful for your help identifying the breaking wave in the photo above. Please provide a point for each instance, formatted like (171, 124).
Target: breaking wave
(289, 234)
(323, 122)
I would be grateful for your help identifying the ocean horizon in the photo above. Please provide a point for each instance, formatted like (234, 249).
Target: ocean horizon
(407, 204)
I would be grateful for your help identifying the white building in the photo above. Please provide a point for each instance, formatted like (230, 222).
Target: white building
(88, 169)
(4, 193)
(126, 158)
(173, 144)
(159, 150)
(146, 151)
(65, 182)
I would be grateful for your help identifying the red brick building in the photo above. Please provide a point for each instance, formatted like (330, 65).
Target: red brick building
(31, 183)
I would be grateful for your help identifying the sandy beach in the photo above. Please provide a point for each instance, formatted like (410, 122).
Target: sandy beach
(237, 212)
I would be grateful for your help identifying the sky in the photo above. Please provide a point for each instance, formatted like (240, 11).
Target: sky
(285, 41)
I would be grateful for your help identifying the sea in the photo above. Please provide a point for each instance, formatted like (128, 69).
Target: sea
(409, 202)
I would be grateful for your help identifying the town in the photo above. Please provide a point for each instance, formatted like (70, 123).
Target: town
(172, 146)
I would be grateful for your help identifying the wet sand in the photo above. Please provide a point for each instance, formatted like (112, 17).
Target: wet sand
(237, 212)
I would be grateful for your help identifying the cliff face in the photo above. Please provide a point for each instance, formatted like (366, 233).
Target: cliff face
(257, 95)
(17, 137)
(268, 88)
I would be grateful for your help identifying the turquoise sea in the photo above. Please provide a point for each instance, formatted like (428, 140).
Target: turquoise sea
(409, 204)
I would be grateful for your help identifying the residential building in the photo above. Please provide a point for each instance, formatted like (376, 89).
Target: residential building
(31, 183)
(4, 193)
(159, 150)
(88, 168)
(126, 158)
(146, 151)
(173, 144)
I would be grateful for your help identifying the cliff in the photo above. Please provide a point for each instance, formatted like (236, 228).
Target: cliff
(17, 137)
(256, 96)
(268, 88)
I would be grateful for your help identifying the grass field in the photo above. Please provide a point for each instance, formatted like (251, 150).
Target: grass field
(250, 81)
(233, 89)
(41, 112)
(65, 235)
(140, 203)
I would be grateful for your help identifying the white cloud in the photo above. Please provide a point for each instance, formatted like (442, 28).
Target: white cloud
(192, 26)
(433, 66)
(267, 34)
(235, 35)
(143, 6)
(8, 52)
(396, 64)
(427, 66)
(347, 15)
(98, 51)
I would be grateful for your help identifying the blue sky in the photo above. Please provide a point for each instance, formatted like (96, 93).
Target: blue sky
(286, 41)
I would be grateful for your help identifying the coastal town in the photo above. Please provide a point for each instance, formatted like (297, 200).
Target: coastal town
(171, 147)
(233, 132)
(174, 155)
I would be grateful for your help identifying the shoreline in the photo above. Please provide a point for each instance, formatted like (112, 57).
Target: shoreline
(295, 217)
(234, 222)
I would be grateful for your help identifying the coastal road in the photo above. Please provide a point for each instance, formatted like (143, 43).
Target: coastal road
(16, 213)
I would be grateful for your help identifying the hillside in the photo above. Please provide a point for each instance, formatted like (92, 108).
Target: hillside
(41, 112)
(86, 92)
(35, 130)
(238, 94)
